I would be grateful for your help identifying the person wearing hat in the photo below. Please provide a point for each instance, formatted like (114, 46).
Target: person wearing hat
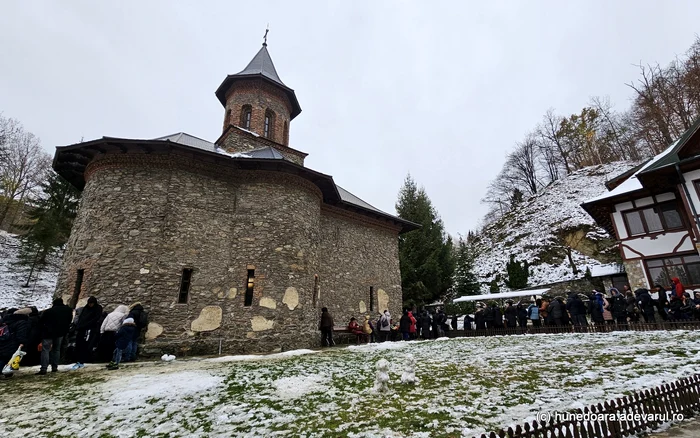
(121, 341)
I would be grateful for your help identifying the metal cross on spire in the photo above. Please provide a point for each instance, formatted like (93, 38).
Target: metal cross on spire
(267, 29)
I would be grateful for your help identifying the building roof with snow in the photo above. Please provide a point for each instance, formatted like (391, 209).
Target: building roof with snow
(658, 174)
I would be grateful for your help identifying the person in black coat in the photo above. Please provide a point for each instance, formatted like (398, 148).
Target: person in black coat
(646, 304)
(480, 317)
(662, 301)
(468, 322)
(556, 311)
(405, 325)
(511, 314)
(497, 315)
(140, 317)
(425, 323)
(88, 327)
(19, 328)
(577, 309)
(54, 326)
(618, 306)
(522, 314)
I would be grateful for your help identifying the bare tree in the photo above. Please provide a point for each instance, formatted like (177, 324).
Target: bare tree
(522, 165)
(24, 165)
(614, 131)
(550, 131)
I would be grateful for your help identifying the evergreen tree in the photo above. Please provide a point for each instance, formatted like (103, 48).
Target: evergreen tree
(517, 273)
(52, 217)
(465, 282)
(425, 255)
(493, 286)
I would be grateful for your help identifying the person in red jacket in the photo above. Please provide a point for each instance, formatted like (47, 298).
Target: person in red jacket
(677, 287)
(412, 328)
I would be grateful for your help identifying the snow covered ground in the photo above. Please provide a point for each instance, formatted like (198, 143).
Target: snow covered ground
(14, 276)
(466, 386)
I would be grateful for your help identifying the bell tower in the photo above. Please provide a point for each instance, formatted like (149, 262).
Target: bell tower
(256, 100)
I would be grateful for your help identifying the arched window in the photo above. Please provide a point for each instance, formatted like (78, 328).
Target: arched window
(285, 134)
(246, 114)
(227, 120)
(269, 127)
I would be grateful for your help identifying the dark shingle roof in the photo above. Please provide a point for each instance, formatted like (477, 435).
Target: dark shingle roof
(262, 64)
(260, 67)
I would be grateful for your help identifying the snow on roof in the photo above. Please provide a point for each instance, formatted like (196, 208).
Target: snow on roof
(502, 295)
(605, 270)
(632, 184)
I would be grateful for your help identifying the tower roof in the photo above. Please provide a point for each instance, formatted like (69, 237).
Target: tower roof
(260, 66)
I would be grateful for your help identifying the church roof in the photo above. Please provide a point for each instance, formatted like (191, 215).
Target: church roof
(260, 66)
(71, 162)
(189, 140)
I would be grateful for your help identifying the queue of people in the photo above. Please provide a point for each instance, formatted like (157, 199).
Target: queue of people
(411, 325)
(61, 334)
(597, 308)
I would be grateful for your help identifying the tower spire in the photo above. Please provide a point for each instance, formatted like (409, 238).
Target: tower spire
(267, 29)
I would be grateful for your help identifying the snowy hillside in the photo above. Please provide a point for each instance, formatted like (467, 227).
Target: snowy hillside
(13, 277)
(545, 225)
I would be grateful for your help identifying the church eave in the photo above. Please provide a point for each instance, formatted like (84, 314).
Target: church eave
(71, 162)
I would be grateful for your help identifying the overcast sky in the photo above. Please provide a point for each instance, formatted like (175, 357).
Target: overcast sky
(438, 89)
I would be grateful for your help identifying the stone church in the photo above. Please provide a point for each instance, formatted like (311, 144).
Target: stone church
(233, 246)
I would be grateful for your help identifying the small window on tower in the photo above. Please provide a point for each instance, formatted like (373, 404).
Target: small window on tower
(268, 130)
(246, 115)
(371, 298)
(285, 133)
(250, 283)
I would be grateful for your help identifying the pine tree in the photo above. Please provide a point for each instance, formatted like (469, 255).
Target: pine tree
(493, 286)
(517, 273)
(465, 282)
(425, 255)
(52, 217)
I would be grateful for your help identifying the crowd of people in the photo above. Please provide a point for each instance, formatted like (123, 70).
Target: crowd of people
(412, 324)
(620, 308)
(61, 334)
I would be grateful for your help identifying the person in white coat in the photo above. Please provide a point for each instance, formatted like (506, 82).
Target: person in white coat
(111, 324)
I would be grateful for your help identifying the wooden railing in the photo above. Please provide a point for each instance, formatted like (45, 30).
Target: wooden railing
(676, 325)
(643, 411)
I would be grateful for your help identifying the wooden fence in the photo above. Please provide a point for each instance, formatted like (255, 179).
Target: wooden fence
(676, 325)
(643, 411)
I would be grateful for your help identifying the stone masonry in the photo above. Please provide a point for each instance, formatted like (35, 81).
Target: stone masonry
(144, 219)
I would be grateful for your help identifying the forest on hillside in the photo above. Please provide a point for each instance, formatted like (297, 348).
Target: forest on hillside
(666, 102)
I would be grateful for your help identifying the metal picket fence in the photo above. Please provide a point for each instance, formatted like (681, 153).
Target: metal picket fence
(642, 411)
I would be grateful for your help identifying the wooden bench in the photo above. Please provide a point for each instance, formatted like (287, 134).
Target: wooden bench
(342, 333)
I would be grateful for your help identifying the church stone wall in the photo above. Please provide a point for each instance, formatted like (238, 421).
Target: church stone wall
(357, 256)
(143, 219)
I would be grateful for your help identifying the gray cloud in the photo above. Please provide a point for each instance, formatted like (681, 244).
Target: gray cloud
(438, 89)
